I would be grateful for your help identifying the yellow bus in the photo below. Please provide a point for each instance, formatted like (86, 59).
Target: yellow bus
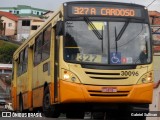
(89, 56)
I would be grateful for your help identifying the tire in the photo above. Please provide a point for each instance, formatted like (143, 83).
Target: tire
(75, 115)
(49, 111)
(20, 103)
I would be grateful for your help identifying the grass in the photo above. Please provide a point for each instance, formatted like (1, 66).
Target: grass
(4, 43)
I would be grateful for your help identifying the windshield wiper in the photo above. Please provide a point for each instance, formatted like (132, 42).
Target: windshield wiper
(122, 30)
(93, 28)
(118, 37)
(115, 30)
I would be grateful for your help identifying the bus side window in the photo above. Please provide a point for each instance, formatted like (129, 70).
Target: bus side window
(46, 43)
(25, 59)
(38, 49)
(22, 62)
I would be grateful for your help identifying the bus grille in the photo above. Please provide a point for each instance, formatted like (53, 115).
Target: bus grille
(105, 76)
(99, 93)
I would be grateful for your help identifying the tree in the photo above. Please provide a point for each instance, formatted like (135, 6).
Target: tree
(6, 52)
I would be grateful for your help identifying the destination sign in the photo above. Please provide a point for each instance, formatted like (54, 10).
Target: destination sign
(118, 11)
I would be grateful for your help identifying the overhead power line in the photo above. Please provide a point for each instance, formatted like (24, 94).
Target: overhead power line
(151, 3)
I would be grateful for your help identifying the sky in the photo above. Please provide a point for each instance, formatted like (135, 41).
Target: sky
(53, 4)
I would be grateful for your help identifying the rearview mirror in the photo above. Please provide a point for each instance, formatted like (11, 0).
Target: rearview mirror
(59, 28)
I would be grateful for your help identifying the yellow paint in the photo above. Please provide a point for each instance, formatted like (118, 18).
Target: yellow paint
(98, 25)
(87, 78)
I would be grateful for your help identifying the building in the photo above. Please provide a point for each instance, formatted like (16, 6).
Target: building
(5, 69)
(48, 14)
(9, 23)
(154, 17)
(5, 80)
(29, 20)
(23, 10)
(27, 26)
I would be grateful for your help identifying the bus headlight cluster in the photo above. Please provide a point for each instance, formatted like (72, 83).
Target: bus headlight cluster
(69, 76)
(147, 78)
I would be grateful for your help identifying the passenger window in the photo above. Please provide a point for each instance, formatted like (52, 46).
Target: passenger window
(46, 43)
(38, 50)
(42, 46)
(22, 62)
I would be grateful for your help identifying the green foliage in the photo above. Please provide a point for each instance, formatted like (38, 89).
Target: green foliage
(6, 51)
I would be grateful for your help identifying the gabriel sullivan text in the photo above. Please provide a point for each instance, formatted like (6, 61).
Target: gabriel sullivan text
(144, 114)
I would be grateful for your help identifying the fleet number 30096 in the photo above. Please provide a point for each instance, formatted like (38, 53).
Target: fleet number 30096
(129, 73)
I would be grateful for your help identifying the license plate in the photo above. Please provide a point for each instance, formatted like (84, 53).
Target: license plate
(109, 89)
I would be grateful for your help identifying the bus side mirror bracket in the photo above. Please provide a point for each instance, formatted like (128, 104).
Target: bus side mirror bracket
(59, 28)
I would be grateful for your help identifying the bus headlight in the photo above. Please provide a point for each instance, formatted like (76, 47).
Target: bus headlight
(66, 76)
(69, 76)
(146, 78)
(149, 79)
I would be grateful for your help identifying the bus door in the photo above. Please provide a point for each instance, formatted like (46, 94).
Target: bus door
(56, 68)
(58, 32)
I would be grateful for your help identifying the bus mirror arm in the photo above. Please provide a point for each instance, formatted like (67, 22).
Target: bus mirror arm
(59, 28)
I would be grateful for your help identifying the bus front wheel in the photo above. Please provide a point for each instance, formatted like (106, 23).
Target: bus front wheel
(49, 111)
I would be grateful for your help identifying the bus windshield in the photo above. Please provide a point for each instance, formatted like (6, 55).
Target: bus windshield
(82, 44)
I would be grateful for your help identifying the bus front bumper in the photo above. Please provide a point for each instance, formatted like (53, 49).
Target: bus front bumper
(79, 93)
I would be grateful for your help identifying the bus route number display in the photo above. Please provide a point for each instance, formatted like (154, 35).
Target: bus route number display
(89, 58)
(105, 11)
